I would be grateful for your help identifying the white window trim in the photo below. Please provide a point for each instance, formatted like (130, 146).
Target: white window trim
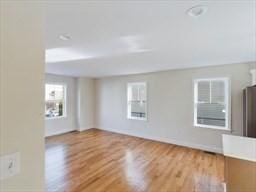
(64, 103)
(128, 105)
(227, 101)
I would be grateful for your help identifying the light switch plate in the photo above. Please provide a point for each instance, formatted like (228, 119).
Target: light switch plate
(9, 165)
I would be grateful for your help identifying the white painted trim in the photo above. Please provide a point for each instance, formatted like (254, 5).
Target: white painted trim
(253, 73)
(224, 187)
(59, 132)
(129, 117)
(65, 87)
(55, 118)
(168, 140)
(227, 102)
(86, 128)
(137, 118)
(212, 127)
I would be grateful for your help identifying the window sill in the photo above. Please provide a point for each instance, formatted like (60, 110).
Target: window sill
(137, 118)
(55, 118)
(212, 127)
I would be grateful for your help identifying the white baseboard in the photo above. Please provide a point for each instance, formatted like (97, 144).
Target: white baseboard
(59, 132)
(86, 128)
(67, 131)
(224, 185)
(168, 140)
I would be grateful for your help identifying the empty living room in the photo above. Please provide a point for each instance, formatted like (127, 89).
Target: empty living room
(128, 95)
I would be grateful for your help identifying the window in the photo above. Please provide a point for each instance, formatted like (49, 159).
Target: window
(137, 101)
(212, 103)
(55, 105)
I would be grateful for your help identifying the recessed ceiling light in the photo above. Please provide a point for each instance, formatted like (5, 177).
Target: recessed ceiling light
(197, 11)
(64, 37)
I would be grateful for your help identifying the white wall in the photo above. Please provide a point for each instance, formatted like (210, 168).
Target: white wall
(68, 123)
(80, 105)
(170, 105)
(22, 92)
(86, 103)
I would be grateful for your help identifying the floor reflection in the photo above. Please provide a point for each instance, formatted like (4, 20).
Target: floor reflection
(206, 182)
(55, 163)
(134, 172)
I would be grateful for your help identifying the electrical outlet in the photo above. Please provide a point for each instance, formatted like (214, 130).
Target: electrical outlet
(9, 165)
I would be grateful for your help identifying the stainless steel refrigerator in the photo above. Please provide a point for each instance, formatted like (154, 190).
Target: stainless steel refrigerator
(249, 105)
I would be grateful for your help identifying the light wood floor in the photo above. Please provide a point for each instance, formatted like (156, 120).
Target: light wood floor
(96, 160)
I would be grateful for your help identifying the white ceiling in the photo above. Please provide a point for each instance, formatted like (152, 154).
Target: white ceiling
(128, 37)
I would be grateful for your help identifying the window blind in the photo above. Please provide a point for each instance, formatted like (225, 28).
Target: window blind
(211, 103)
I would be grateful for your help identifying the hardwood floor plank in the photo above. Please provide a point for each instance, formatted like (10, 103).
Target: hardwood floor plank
(96, 160)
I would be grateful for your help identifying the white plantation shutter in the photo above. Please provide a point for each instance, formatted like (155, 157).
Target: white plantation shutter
(212, 103)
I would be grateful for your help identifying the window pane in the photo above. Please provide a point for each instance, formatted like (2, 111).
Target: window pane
(54, 92)
(137, 100)
(204, 91)
(54, 100)
(138, 109)
(142, 93)
(211, 114)
(54, 109)
(218, 91)
(135, 92)
(212, 102)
